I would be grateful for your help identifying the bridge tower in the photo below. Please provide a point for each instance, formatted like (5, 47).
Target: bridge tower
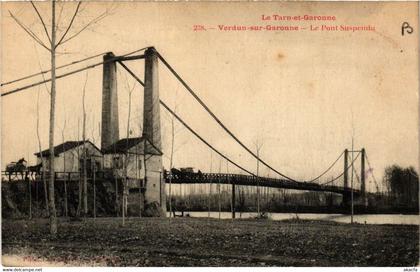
(153, 185)
(110, 128)
(154, 182)
(346, 197)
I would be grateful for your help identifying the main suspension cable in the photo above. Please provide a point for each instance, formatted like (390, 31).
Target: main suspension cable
(204, 141)
(69, 73)
(142, 83)
(329, 168)
(46, 71)
(220, 122)
(348, 167)
(185, 124)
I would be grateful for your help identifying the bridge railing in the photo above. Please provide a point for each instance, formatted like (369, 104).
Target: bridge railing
(59, 175)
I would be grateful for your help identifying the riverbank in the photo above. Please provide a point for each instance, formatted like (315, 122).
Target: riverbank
(210, 242)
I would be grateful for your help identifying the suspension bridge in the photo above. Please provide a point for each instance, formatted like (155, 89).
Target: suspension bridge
(339, 184)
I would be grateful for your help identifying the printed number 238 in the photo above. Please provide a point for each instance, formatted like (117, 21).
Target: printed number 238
(199, 28)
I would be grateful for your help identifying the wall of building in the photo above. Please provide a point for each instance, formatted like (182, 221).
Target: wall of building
(155, 186)
(68, 161)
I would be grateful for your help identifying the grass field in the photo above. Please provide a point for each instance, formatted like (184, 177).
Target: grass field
(208, 242)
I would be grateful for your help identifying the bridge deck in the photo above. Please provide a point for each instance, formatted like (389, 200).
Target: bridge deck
(248, 180)
(202, 178)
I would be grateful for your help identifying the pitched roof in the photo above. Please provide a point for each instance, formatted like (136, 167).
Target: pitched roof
(58, 149)
(123, 145)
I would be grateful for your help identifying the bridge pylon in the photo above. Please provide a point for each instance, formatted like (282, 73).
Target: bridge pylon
(154, 183)
(346, 197)
(110, 128)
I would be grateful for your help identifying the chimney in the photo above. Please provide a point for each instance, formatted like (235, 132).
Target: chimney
(151, 114)
(110, 129)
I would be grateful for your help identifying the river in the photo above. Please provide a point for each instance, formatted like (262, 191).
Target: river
(400, 219)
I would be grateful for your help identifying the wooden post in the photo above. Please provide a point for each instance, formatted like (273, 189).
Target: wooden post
(138, 167)
(233, 200)
(123, 201)
(160, 191)
(218, 198)
(36, 192)
(116, 195)
(65, 194)
(94, 190)
(209, 201)
(30, 195)
(140, 197)
(124, 184)
(352, 170)
(362, 178)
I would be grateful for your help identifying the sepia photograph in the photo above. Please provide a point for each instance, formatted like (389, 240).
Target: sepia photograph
(209, 134)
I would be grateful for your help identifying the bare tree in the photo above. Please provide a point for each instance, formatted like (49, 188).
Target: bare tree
(174, 132)
(64, 167)
(258, 145)
(79, 204)
(125, 185)
(85, 195)
(53, 43)
(171, 158)
(210, 194)
(44, 181)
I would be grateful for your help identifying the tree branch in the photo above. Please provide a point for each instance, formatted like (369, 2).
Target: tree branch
(42, 21)
(70, 24)
(40, 68)
(57, 26)
(94, 21)
(29, 32)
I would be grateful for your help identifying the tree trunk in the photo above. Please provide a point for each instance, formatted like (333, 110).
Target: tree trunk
(44, 180)
(258, 182)
(66, 209)
(53, 213)
(80, 197)
(85, 195)
(68, 177)
(171, 165)
(94, 189)
(30, 196)
(85, 205)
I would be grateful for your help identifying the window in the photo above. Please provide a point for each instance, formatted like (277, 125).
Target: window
(117, 162)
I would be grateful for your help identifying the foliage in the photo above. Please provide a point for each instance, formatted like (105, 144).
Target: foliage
(403, 185)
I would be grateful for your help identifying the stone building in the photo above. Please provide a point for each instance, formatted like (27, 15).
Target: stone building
(69, 157)
(127, 159)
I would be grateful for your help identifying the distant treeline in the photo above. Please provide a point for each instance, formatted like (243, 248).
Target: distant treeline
(402, 186)
(286, 201)
(401, 196)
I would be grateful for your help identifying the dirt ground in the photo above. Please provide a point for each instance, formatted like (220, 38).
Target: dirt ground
(208, 242)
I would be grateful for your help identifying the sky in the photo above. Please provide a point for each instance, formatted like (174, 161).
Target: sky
(304, 95)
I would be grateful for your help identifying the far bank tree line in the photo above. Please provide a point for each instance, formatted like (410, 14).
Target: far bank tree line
(402, 186)
(401, 194)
